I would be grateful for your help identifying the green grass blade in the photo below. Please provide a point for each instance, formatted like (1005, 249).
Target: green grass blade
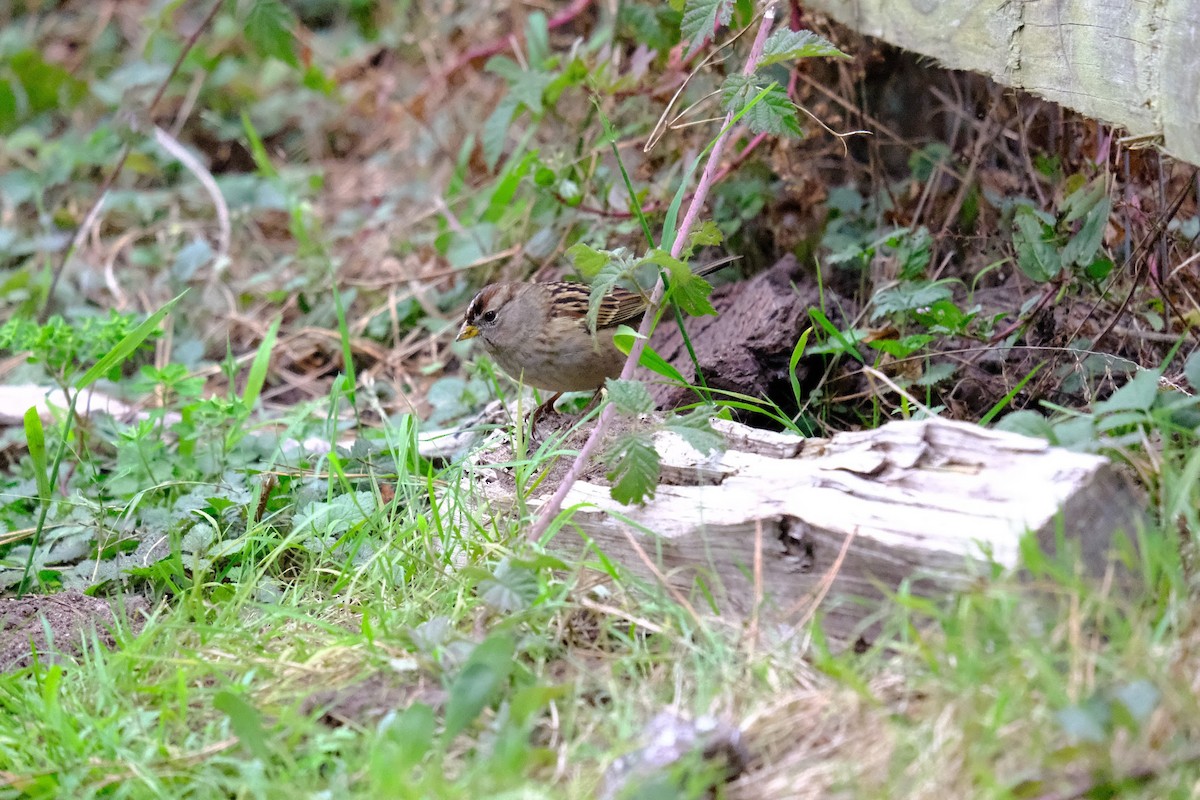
(797, 352)
(126, 346)
(347, 355)
(258, 370)
(35, 440)
(1004, 401)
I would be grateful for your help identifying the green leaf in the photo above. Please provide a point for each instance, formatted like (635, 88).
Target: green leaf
(126, 347)
(1082, 247)
(509, 588)
(479, 683)
(1137, 395)
(413, 732)
(696, 429)
(650, 359)
(495, 130)
(537, 39)
(529, 90)
(1036, 245)
(501, 201)
(706, 234)
(1139, 699)
(1028, 423)
(913, 251)
(630, 397)
(691, 294)
(634, 468)
(35, 442)
(269, 26)
(1088, 721)
(246, 723)
(788, 45)
(258, 370)
(1083, 200)
(258, 150)
(657, 28)
(797, 352)
(1191, 370)
(602, 284)
(771, 112)
(588, 261)
(700, 19)
(909, 296)
(46, 86)
(8, 108)
(687, 289)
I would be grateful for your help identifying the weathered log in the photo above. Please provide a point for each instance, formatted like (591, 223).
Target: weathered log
(844, 521)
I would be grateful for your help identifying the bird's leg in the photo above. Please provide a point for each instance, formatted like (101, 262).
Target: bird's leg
(595, 401)
(542, 409)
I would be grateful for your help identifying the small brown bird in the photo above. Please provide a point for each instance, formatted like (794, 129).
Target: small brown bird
(538, 332)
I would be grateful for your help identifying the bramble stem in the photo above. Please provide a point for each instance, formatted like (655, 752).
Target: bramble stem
(554, 505)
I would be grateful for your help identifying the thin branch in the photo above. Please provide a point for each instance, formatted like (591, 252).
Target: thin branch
(554, 505)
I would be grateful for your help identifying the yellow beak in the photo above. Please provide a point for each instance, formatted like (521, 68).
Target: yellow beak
(467, 331)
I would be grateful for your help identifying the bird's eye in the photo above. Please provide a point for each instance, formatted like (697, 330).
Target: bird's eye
(489, 316)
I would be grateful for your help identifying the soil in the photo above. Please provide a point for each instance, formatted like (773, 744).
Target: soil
(55, 627)
(365, 702)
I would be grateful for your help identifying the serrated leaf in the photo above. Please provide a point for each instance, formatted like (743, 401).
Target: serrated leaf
(909, 296)
(588, 261)
(653, 27)
(706, 234)
(509, 588)
(477, 685)
(1037, 253)
(788, 45)
(687, 290)
(602, 284)
(696, 429)
(530, 88)
(701, 18)
(691, 294)
(771, 112)
(630, 397)
(269, 27)
(634, 469)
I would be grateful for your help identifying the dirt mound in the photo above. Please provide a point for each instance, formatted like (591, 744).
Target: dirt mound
(47, 627)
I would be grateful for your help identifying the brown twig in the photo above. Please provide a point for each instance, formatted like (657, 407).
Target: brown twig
(554, 505)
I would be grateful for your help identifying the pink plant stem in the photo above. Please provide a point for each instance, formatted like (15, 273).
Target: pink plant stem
(552, 507)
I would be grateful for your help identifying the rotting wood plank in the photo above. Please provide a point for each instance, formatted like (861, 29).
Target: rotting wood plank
(1130, 63)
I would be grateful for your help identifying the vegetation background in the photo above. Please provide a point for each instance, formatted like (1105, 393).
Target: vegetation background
(255, 224)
